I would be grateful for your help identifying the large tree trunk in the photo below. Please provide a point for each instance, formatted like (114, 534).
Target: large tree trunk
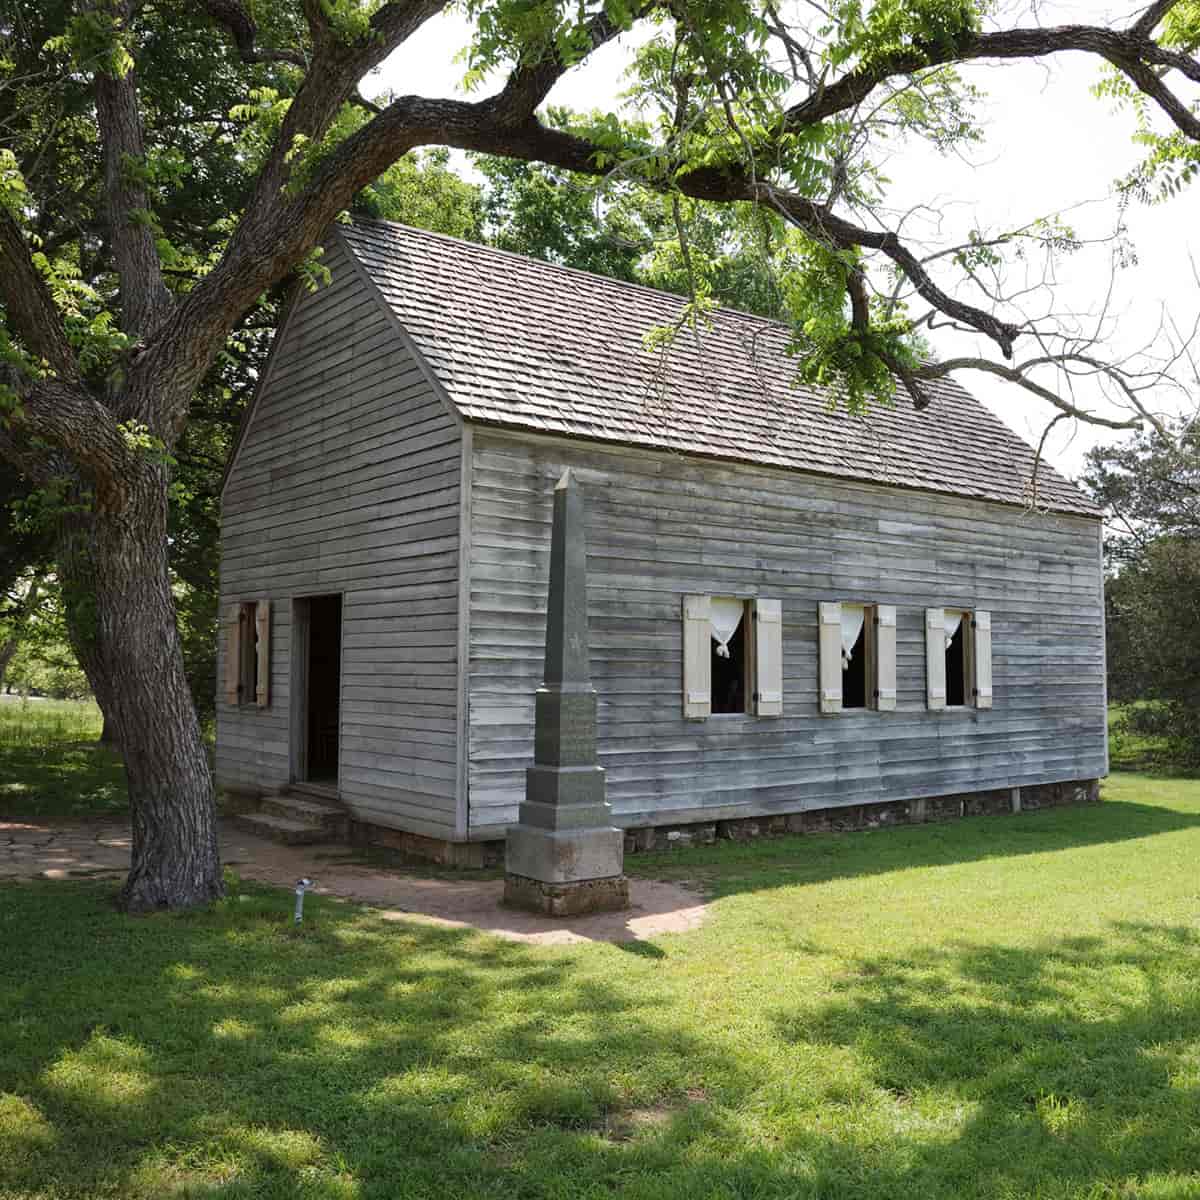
(121, 616)
(8, 650)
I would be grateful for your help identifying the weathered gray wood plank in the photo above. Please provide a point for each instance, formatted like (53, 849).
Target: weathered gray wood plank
(348, 481)
(661, 526)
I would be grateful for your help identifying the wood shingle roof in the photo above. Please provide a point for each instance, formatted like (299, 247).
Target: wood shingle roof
(520, 343)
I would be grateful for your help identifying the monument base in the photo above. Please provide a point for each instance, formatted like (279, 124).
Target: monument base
(567, 899)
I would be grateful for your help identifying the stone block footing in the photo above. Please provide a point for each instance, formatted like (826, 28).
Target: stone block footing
(566, 899)
(443, 853)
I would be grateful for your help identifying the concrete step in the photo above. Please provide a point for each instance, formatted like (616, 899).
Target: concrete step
(304, 808)
(280, 829)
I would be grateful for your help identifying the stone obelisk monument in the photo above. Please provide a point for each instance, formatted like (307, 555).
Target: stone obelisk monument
(565, 856)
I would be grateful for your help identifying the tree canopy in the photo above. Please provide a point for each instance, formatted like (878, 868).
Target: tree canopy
(1150, 488)
(166, 167)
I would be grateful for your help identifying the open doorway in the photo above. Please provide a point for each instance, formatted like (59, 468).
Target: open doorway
(318, 677)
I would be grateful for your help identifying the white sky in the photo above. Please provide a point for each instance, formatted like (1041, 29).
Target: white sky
(1050, 144)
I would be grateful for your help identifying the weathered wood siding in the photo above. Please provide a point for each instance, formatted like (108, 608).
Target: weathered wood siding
(348, 480)
(662, 526)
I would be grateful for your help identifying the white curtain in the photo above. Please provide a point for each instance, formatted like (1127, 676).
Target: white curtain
(726, 617)
(953, 621)
(852, 623)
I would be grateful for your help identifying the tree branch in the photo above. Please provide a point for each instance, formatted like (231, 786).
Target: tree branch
(1146, 24)
(67, 415)
(818, 221)
(29, 307)
(530, 83)
(1016, 375)
(1131, 51)
(278, 230)
(145, 299)
(244, 31)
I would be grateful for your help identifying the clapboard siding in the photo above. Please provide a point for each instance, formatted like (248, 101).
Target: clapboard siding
(348, 479)
(661, 526)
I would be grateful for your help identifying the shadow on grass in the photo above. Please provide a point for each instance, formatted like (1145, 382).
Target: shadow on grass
(1075, 1064)
(74, 781)
(725, 868)
(229, 1055)
(234, 1055)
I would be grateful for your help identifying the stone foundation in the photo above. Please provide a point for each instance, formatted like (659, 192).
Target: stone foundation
(566, 899)
(647, 838)
(853, 817)
(465, 855)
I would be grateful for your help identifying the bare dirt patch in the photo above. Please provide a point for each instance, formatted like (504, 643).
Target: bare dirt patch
(58, 851)
(624, 1126)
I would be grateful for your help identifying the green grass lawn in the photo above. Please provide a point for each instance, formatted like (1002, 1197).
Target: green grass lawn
(999, 1007)
(51, 766)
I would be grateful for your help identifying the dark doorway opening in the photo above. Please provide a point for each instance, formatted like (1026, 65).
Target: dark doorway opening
(324, 687)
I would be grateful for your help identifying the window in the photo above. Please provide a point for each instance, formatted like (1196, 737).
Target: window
(732, 657)
(730, 664)
(958, 658)
(857, 644)
(248, 654)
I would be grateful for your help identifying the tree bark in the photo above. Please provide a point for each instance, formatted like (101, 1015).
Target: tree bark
(8, 650)
(122, 623)
(108, 735)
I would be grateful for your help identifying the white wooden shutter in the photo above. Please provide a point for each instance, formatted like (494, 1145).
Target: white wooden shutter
(233, 652)
(830, 647)
(768, 658)
(982, 626)
(697, 657)
(935, 657)
(885, 657)
(262, 624)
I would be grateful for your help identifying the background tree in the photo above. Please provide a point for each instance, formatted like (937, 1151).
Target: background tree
(1150, 487)
(735, 254)
(142, 221)
(25, 548)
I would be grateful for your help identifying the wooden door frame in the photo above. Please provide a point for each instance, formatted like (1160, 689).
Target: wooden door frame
(298, 725)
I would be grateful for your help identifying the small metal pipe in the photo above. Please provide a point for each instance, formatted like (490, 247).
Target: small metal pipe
(302, 885)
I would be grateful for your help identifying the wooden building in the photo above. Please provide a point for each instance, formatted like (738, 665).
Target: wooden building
(792, 610)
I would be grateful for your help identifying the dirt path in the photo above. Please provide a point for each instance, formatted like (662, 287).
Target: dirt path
(31, 850)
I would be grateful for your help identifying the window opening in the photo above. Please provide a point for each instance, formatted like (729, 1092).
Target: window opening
(956, 658)
(729, 655)
(854, 656)
(248, 647)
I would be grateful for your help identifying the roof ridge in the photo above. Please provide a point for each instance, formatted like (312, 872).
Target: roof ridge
(724, 310)
(607, 280)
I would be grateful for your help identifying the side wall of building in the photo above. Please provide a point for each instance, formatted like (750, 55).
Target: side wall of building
(663, 526)
(348, 480)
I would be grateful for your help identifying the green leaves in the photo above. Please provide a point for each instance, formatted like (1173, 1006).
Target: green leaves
(421, 189)
(1172, 160)
(871, 33)
(95, 40)
(852, 362)
(1181, 27)
(13, 190)
(349, 20)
